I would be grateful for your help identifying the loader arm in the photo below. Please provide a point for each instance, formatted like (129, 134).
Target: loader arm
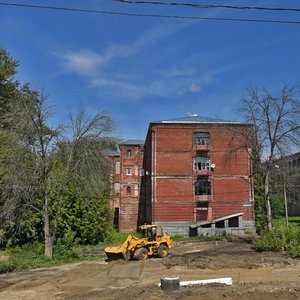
(123, 249)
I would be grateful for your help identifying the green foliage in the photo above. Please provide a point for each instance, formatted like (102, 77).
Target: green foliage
(293, 222)
(275, 240)
(7, 266)
(260, 208)
(281, 238)
(178, 237)
(85, 213)
(116, 237)
(47, 176)
(32, 256)
(66, 246)
(31, 227)
(277, 204)
(8, 87)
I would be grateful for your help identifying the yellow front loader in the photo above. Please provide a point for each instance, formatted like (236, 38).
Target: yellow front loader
(154, 242)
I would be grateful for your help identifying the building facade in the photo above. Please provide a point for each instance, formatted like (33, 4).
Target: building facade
(127, 172)
(288, 174)
(198, 177)
(192, 176)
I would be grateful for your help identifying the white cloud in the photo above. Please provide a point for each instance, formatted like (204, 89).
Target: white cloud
(130, 90)
(193, 88)
(116, 72)
(88, 62)
(190, 88)
(146, 40)
(83, 62)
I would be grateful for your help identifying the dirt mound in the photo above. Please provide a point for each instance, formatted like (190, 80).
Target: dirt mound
(207, 292)
(227, 255)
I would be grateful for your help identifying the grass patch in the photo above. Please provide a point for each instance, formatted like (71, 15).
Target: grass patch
(32, 256)
(117, 237)
(66, 250)
(292, 221)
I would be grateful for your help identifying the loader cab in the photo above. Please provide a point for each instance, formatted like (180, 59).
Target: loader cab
(150, 233)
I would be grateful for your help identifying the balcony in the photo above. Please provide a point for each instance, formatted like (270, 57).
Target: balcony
(203, 198)
(201, 147)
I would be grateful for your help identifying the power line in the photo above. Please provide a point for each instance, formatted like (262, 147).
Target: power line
(209, 5)
(108, 12)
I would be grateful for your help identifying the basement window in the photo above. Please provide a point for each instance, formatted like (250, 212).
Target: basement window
(201, 163)
(201, 138)
(202, 186)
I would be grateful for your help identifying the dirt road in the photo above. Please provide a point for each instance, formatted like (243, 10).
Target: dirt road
(255, 276)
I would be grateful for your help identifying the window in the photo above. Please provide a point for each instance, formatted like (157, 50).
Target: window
(201, 138)
(142, 153)
(128, 171)
(128, 189)
(202, 186)
(142, 172)
(117, 167)
(136, 189)
(117, 187)
(129, 153)
(201, 163)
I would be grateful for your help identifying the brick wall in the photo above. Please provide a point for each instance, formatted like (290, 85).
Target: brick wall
(131, 157)
(172, 175)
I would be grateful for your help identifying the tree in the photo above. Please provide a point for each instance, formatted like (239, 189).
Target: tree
(9, 87)
(12, 152)
(54, 161)
(276, 120)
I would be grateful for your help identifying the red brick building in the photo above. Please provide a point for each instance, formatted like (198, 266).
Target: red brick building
(197, 176)
(127, 172)
(192, 176)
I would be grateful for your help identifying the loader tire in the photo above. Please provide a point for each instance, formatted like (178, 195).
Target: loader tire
(127, 255)
(141, 254)
(162, 251)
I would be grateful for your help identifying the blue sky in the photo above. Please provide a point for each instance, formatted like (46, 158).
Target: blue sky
(147, 69)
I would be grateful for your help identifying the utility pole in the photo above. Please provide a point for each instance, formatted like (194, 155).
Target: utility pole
(282, 174)
(285, 202)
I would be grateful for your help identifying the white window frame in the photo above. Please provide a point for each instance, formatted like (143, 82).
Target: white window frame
(201, 138)
(201, 163)
(117, 187)
(117, 167)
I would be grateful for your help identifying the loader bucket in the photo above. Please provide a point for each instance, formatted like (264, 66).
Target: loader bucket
(123, 250)
(118, 252)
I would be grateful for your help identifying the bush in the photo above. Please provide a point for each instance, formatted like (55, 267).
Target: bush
(66, 247)
(32, 256)
(271, 241)
(86, 213)
(7, 266)
(280, 239)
